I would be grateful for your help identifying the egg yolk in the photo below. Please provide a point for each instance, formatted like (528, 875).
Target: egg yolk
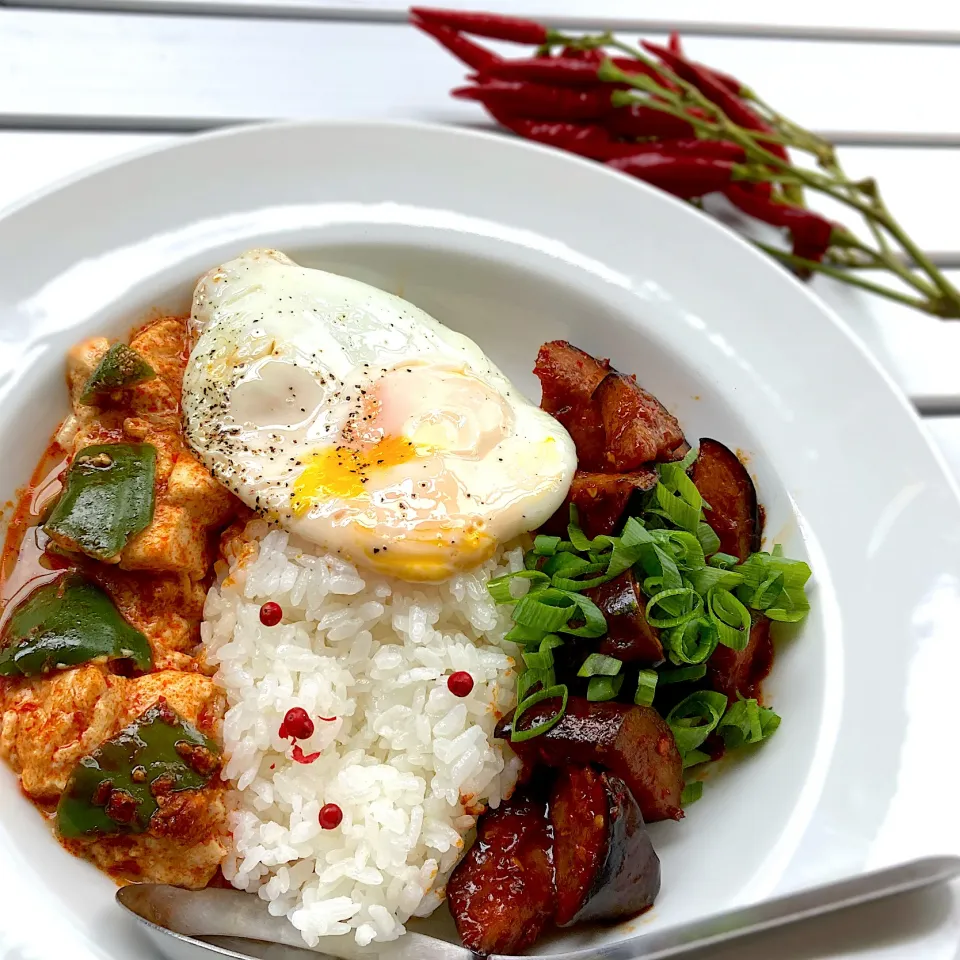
(343, 471)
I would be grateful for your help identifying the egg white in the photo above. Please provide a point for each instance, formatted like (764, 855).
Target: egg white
(354, 419)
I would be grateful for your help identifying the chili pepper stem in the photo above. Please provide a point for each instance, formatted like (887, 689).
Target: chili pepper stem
(763, 134)
(874, 212)
(934, 308)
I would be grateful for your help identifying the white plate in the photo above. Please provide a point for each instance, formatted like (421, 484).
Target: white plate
(515, 244)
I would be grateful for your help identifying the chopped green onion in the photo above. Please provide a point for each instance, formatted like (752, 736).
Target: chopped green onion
(500, 587)
(790, 607)
(674, 477)
(692, 601)
(563, 567)
(628, 547)
(695, 717)
(702, 580)
(646, 688)
(598, 665)
(692, 642)
(531, 678)
(524, 635)
(575, 535)
(683, 674)
(758, 566)
(709, 541)
(566, 563)
(542, 659)
(685, 548)
(657, 562)
(541, 611)
(550, 610)
(603, 688)
(594, 624)
(725, 561)
(545, 546)
(676, 509)
(548, 693)
(730, 617)
(538, 661)
(692, 792)
(689, 459)
(747, 722)
(694, 757)
(766, 594)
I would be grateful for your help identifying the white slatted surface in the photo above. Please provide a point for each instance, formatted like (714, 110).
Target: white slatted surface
(927, 21)
(188, 72)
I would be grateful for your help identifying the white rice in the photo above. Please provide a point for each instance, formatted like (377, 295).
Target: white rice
(410, 764)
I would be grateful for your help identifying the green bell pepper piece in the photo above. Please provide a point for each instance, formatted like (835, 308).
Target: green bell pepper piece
(65, 623)
(115, 789)
(108, 497)
(121, 366)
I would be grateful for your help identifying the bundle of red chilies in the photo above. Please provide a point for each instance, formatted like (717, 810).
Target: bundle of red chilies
(561, 100)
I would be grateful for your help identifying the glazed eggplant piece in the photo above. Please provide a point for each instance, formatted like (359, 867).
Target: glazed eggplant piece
(606, 866)
(725, 484)
(637, 427)
(568, 378)
(601, 500)
(616, 425)
(629, 636)
(633, 742)
(740, 672)
(502, 894)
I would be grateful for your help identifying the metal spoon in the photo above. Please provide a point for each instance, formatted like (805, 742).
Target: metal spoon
(173, 918)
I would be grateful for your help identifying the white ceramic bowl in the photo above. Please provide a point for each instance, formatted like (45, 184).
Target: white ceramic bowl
(515, 244)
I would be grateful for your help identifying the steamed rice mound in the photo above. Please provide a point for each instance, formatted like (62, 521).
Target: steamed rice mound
(410, 764)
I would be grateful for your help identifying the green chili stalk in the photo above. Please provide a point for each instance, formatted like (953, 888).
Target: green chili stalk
(891, 249)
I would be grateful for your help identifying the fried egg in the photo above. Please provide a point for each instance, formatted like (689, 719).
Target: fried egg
(355, 420)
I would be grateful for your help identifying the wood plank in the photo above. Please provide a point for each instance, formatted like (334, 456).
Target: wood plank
(930, 21)
(145, 69)
(922, 354)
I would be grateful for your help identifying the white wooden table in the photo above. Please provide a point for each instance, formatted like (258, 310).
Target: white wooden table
(86, 81)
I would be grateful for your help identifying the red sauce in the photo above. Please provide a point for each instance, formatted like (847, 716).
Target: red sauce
(25, 564)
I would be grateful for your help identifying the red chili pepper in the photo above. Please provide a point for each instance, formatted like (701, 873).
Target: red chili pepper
(585, 139)
(566, 73)
(537, 101)
(673, 44)
(596, 142)
(575, 53)
(685, 177)
(706, 81)
(639, 121)
(691, 146)
(495, 26)
(468, 52)
(811, 233)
